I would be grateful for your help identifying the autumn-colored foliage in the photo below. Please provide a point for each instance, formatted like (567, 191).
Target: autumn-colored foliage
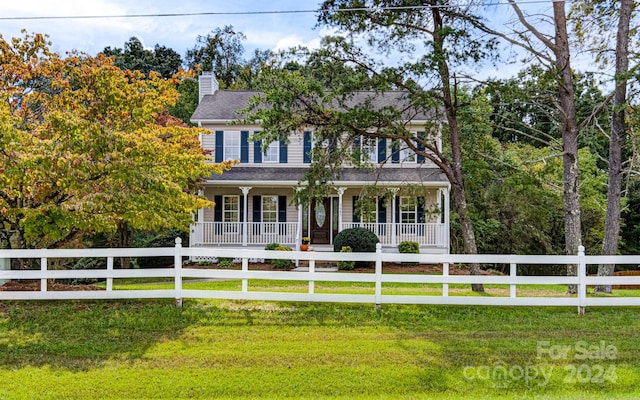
(87, 147)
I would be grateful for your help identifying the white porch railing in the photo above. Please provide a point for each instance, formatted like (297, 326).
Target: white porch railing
(259, 233)
(426, 234)
(232, 233)
(376, 278)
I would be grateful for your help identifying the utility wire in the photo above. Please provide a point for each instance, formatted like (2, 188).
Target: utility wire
(222, 13)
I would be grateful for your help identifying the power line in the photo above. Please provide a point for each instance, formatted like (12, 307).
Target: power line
(223, 13)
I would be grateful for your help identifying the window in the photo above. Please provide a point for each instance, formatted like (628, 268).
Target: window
(269, 213)
(231, 208)
(408, 210)
(407, 155)
(232, 145)
(368, 149)
(271, 153)
(370, 213)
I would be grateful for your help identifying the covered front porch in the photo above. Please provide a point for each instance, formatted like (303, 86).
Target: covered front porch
(256, 213)
(431, 235)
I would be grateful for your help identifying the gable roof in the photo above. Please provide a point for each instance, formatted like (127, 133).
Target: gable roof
(223, 104)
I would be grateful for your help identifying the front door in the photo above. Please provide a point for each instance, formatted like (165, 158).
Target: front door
(321, 221)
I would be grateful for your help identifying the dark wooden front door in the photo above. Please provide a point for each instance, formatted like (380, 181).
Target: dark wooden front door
(321, 221)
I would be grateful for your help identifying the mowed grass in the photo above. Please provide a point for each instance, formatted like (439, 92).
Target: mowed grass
(272, 350)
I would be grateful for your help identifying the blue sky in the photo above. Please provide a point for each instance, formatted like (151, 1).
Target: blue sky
(179, 33)
(264, 31)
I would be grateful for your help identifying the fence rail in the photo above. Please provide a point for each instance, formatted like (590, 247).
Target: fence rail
(178, 273)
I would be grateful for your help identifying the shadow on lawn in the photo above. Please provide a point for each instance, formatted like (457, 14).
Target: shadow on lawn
(83, 335)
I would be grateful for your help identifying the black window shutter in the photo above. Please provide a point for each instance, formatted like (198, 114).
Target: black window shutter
(241, 208)
(244, 146)
(355, 217)
(382, 210)
(283, 152)
(219, 154)
(395, 148)
(257, 208)
(420, 216)
(420, 158)
(217, 209)
(382, 149)
(257, 151)
(307, 147)
(282, 208)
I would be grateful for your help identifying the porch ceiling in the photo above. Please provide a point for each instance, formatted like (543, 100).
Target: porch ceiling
(283, 176)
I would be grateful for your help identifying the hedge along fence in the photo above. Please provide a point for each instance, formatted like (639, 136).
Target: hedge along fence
(377, 278)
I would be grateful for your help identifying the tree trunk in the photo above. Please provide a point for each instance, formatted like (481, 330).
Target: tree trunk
(466, 226)
(618, 128)
(569, 138)
(124, 240)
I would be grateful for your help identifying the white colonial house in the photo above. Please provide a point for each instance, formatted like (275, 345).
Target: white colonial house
(254, 201)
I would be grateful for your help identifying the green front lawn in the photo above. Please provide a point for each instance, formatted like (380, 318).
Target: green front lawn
(233, 349)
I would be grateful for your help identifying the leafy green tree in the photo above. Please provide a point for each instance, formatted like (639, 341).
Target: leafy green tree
(221, 51)
(135, 57)
(603, 15)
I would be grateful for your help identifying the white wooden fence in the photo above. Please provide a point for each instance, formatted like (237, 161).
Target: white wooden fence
(377, 278)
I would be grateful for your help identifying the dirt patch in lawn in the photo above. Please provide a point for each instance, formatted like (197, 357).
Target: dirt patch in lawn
(34, 286)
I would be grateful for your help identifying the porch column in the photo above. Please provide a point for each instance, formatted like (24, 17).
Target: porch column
(447, 228)
(341, 191)
(245, 224)
(299, 228)
(200, 219)
(394, 233)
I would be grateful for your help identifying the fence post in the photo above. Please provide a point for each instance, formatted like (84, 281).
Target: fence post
(5, 265)
(513, 272)
(245, 270)
(110, 278)
(445, 273)
(177, 269)
(312, 271)
(378, 295)
(43, 281)
(582, 282)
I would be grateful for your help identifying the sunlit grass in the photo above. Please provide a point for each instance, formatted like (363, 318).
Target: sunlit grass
(252, 349)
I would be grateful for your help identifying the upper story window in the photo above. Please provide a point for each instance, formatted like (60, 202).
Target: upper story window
(232, 145)
(271, 154)
(407, 155)
(369, 149)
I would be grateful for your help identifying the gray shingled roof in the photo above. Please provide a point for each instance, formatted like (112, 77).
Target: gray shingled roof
(286, 175)
(223, 104)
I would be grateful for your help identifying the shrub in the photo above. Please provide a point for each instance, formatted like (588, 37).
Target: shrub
(409, 247)
(282, 263)
(225, 262)
(270, 246)
(346, 265)
(360, 240)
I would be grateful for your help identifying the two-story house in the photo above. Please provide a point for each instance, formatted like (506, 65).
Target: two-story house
(254, 201)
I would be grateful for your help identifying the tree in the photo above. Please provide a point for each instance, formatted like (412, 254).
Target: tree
(603, 15)
(446, 39)
(134, 56)
(221, 51)
(560, 61)
(87, 147)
